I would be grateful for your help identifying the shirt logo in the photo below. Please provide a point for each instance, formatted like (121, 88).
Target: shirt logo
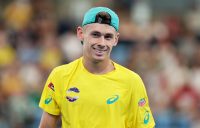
(72, 94)
(48, 100)
(146, 117)
(142, 102)
(113, 99)
(51, 86)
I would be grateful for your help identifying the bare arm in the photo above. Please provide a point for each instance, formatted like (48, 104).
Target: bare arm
(48, 120)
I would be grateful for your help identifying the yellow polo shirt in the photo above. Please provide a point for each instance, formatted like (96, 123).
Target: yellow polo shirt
(116, 99)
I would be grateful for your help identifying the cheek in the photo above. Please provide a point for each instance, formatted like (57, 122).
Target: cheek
(86, 46)
(88, 40)
(110, 44)
(92, 40)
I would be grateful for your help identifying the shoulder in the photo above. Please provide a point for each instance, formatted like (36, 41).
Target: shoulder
(126, 72)
(66, 69)
(128, 76)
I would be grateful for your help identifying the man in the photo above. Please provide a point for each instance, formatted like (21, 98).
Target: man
(93, 91)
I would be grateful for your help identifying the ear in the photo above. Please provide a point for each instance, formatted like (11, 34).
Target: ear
(79, 33)
(116, 39)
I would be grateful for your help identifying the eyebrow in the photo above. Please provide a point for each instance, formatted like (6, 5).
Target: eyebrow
(104, 34)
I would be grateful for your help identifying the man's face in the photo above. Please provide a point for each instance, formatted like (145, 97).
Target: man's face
(98, 40)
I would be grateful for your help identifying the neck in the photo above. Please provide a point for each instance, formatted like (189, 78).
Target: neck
(98, 67)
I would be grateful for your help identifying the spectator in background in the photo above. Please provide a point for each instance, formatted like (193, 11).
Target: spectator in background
(18, 14)
(7, 53)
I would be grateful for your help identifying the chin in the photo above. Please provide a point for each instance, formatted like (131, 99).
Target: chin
(99, 58)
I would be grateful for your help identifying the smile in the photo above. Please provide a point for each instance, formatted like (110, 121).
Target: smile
(100, 49)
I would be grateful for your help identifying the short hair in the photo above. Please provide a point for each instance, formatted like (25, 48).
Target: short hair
(103, 18)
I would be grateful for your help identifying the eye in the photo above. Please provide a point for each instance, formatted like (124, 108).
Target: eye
(108, 36)
(96, 34)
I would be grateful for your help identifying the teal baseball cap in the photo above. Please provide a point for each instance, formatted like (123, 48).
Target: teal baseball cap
(90, 16)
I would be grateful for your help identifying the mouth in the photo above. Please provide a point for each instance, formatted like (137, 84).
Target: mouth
(99, 51)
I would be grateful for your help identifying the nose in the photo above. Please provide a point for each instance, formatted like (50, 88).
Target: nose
(101, 43)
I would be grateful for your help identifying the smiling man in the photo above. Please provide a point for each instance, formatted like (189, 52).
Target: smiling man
(93, 91)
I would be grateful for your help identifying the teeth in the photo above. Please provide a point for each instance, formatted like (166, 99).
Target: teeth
(99, 50)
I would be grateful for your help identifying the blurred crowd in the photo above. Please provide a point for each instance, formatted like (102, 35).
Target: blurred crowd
(163, 47)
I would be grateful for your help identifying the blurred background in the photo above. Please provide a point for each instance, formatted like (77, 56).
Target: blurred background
(159, 40)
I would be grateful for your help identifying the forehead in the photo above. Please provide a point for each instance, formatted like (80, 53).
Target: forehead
(102, 28)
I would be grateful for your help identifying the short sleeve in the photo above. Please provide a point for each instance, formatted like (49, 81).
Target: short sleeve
(144, 117)
(49, 100)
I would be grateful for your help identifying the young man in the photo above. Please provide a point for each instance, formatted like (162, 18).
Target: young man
(93, 91)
